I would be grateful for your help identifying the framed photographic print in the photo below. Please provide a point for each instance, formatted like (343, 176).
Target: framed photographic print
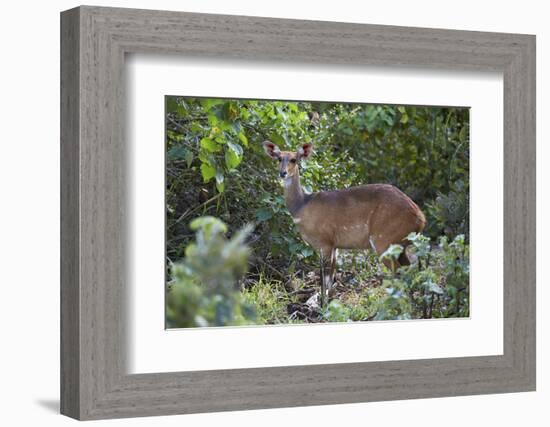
(350, 209)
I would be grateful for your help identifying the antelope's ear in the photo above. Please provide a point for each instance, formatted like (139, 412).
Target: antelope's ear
(271, 150)
(305, 151)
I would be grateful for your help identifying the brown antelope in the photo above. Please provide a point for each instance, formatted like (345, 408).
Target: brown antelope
(369, 216)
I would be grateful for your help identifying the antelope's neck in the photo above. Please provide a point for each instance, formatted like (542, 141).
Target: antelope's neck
(294, 194)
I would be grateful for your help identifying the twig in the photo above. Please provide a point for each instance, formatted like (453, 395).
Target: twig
(180, 237)
(190, 211)
(269, 266)
(180, 126)
(432, 304)
(302, 291)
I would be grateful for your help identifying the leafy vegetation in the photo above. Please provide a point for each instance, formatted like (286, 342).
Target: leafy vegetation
(436, 284)
(215, 166)
(203, 291)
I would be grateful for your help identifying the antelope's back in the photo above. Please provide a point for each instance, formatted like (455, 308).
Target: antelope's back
(348, 218)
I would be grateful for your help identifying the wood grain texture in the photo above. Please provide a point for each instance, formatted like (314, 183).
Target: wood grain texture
(70, 292)
(94, 382)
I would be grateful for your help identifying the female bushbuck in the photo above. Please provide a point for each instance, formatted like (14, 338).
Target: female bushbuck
(369, 216)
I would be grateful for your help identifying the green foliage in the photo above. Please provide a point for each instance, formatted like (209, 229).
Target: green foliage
(395, 304)
(392, 254)
(436, 284)
(450, 213)
(203, 289)
(338, 311)
(270, 300)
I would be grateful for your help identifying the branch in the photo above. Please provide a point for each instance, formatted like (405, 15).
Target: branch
(190, 211)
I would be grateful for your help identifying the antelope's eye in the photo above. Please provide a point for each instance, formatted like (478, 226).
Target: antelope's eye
(292, 160)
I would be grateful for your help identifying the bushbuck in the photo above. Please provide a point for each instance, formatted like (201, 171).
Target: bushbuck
(371, 216)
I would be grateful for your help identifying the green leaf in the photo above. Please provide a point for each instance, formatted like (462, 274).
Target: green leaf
(264, 214)
(177, 152)
(196, 127)
(236, 127)
(230, 111)
(306, 252)
(210, 145)
(392, 252)
(235, 147)
(462, 134)
(212, 119)
(172, 106)
(206, 157)
(277, 139)
(208, 172)
(243, 139)
(294, 247)
(189, 158)
(233, 155)
(387, 118)
(413, 236)
(208, 103)
(219, 177)
(232, 160)
(433, 287)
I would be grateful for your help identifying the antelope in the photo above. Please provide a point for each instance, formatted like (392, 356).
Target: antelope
(371, 216)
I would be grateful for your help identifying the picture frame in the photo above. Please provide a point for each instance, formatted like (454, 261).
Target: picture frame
(94, 380)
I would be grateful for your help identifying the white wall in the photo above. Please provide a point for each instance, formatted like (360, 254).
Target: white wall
(29, 237)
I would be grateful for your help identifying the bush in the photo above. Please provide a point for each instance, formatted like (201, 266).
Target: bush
(203, 290)
(436, 284)
(338, 311)
(449, 214)
(270, 300)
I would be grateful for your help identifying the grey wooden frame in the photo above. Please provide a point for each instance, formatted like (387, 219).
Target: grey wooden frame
(94, 382)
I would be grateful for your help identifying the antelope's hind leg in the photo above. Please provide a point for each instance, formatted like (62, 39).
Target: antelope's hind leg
(326, 281)
(322, 274)
(333, 255)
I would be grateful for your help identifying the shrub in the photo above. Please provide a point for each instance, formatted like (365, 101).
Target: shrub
(270, 299)
(450, 213)
(436, 284)
(203, 290)
(339, 311)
